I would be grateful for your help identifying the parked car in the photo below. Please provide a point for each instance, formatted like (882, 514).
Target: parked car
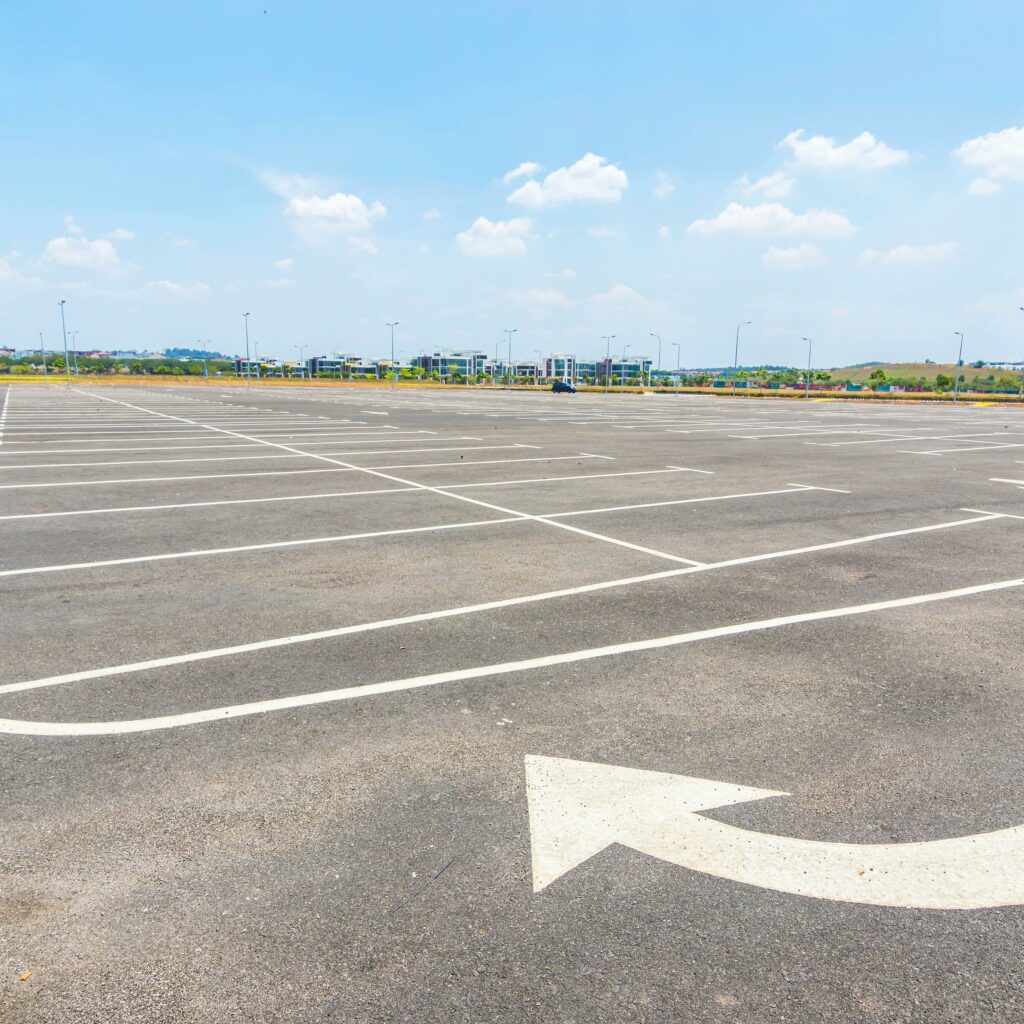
(563, 386)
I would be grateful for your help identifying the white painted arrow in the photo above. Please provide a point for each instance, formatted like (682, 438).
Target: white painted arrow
(577, 808)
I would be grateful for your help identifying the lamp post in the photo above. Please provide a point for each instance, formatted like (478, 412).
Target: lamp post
(679, 356)
(622, 376)
(392, 324)
(64, 332)
(74, 349)
(658, 336)
(736, 351)
(248, 360)
(42, 352)
(536, 376)
(608, 339)
(302, 362)
(510, 332)
(1021, 308)
(959, 363)
(807, 378)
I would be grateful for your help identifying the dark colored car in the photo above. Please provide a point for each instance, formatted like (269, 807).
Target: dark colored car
(563, 386)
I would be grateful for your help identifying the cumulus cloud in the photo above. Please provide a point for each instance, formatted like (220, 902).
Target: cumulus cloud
(434, 214)
(363, 243)
(539, 301)
(527, 169)
(321, 218)
(285, 264)
(591, 177)
(177, 288)
(566, 273)
(771, 186)
(490, 238)
(795, 257)
(98, 255)
(665, 186)
(619, 293)
(665, 232)
(984, 187)
(71, 225)
(998, 154)
(121, 235)
(773, 219)
(865, 152)
(911, 254)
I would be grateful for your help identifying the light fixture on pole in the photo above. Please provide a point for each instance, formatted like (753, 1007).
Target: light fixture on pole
(736, 351)
(608, 339)
(248, 361)
(658, 336)
(510, 332)
(807, 378)
(392, 324)
(679, 356)
(64, 332)
(622, 376)
(959, 363)
(42, 352)
(302, 362)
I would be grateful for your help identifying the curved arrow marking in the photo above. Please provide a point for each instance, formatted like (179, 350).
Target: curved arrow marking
(578, 808)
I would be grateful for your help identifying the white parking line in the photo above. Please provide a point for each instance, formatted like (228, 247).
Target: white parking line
(3, 412)
(509, 602)
(123, 726)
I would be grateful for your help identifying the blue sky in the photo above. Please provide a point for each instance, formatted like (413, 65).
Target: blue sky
(681, 167)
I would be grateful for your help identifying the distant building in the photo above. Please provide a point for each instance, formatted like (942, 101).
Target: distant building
(449, 362)
(619, 370)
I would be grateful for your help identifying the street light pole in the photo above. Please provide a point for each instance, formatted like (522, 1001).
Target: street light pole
(302, 362)
(392, 324)
(807, 378)
(510, 332)
(64, 332)
(248, 360)
(679, 356)
(959, 363)
(74, 350)
(608, 339)
(658, 336)
(42, 352)
(1021, 308)
(622, 376)
(736, 352)
(536, 376)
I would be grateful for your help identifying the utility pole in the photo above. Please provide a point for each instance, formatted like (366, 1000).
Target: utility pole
(392, 324)
(807, 378)
(736, 352)
(658, 336)
(510, 332)
(42, 352)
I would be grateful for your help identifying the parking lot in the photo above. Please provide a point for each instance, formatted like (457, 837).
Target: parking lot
(462, 705)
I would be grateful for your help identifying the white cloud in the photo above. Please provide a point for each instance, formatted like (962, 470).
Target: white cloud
(434, 214)
(619, 293)
(346, 213)
(998, 154)
(280, 282)
(285, 264)
(771, 186)
(80, 252)
(911, 254)
(363, 243)
(984, 187)
(665, 187)
(11, 275)
(182, 243)
(796, 257)
(539, 301)
(489, 238)
(602, 231)
(865, 152)
(121, 235)
(591, 177)
(324, 218)
(71, 225)
(567, 273)
(527, 169)
(774, 219)
(665, 232)
(176, 288)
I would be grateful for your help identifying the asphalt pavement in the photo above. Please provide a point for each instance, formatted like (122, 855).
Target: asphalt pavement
(339, 705)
